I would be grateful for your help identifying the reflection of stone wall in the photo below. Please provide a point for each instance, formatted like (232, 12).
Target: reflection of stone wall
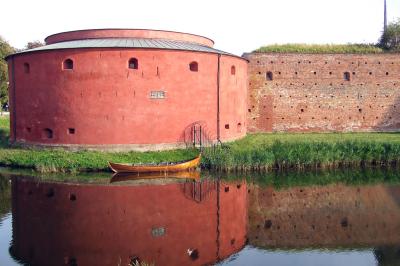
(309, 92)
(328, 216)
(106, 224)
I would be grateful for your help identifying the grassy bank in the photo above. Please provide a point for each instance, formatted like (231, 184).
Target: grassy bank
(58, 160)
(320, 48)
(286, 150)
(260, 152)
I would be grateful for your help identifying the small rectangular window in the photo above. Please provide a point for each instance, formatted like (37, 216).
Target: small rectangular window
(269, 75)
(26, 68)
(346, 76)
(157, 95)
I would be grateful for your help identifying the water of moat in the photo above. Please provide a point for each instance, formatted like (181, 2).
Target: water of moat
(340, 217)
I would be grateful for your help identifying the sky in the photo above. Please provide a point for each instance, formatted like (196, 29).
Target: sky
(235, 26)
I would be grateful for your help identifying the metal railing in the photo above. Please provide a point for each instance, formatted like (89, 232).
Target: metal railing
(199, 190)
(197, 135)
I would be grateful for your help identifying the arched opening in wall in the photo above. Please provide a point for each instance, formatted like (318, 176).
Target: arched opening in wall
(194, 66)
(47, 133)
(68, 64)
(27, 68)
(239, 127)
(72, 197)
(346, 76)
(50, 193)
(269, 75)
(233, 70)
(133, 63)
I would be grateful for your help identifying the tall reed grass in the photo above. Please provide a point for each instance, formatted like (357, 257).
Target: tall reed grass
(265, 152)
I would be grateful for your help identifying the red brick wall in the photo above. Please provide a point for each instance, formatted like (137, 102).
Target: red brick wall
(233, 95)
(105, 102)
(309, 92)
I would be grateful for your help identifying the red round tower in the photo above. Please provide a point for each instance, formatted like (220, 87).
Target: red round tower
(125, 89)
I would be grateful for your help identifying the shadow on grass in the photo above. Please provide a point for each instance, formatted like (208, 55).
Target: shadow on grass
(4, 138)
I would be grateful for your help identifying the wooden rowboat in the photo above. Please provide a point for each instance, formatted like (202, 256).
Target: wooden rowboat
(151, 168)
(119, 177)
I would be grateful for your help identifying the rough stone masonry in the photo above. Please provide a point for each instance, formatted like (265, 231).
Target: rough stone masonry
(323, 92)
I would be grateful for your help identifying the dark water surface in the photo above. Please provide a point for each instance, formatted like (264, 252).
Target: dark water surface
(314, 218)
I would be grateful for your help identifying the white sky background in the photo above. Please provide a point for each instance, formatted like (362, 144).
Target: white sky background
(235, 26)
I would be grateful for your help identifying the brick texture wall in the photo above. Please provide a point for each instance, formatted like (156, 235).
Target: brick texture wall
(327, 216)
(323, 92)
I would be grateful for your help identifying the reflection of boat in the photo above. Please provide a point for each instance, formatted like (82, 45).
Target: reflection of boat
(118, 177)
(161, 167)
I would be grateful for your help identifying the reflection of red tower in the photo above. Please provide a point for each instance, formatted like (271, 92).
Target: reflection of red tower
(232, 217)
(55, 223)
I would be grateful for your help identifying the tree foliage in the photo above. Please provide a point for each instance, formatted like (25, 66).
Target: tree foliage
(33, 44)
(5, 49)
(390, 39)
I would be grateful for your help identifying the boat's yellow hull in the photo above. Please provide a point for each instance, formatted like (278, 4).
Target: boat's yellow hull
(185, 166)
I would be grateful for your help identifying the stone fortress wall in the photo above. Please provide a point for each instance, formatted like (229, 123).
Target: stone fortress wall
(323, 92)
